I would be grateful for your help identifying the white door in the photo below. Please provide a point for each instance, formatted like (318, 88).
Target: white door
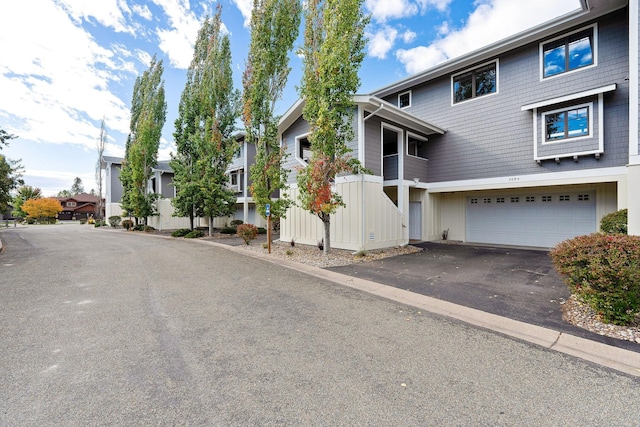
(415, 220)
(538, 220)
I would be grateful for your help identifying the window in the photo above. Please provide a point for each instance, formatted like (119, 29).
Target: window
(475, 83)
(404, 99)
(568, 53)
(546, 198)
(473, 201)
(583, 197)
(303, 149)
(564, 198)
(416, 147)
(565, 124)
(499, 199)
(71, 204)
(530, 199)
(515, 199)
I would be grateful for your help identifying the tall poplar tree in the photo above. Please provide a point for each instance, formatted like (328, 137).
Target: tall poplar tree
(274, 29)
(101, 144)
(332, 54)
(209, 107)
(148, 113)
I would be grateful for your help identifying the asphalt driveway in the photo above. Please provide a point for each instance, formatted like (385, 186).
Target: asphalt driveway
(519, 284)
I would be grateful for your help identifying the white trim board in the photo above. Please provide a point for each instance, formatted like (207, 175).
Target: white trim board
(535, 180)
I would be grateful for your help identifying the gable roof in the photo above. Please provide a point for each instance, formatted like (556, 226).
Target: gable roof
(376, 106)
(589, 10)
(80, 198)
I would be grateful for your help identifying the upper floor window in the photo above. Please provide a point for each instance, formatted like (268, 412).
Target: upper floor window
(416, 147)
(404, 99)
(568, 123)
(474, 83)
(568, 53)
(303, 149)
(71, 204)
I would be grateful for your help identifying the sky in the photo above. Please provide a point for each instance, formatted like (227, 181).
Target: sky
(66, 65)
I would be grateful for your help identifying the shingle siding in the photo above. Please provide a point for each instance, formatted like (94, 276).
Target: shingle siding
(490, 136)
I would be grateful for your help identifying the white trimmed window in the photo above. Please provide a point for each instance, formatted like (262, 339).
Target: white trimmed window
(416, 146)
(568, 123)
(569, 52)
(303, 149)
(404, 99)
(475, 83)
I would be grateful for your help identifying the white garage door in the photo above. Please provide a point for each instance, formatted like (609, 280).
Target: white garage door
(540, 220)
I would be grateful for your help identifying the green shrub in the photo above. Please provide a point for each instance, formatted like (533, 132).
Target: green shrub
(603, 270)
(228, 230)
(181, 232)
(615, 222)
(248, 232)
(195, 234)
(127, 224)
(83, 221)
(115, 220)
(31, 220)
(262, 230)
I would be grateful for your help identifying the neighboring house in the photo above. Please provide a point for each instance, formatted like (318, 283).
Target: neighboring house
(529, 141)
(240, 181)
(80, 206)
(161, 182)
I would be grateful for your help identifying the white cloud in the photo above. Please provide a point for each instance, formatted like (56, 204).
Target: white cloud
(420, 58)
(55, 86)
(383, 10)
(177, 41)
(381, 42)
(408, 36)
(106, 12)
(246, 8)
(491, 21)
(441, 5)
(143, 11)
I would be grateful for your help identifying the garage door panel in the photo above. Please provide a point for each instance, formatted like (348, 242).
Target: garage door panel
(530, 220)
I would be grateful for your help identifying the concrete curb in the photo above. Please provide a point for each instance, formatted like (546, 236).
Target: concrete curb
(619, 359)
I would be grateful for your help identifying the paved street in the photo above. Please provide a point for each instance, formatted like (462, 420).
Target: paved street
(112, 328)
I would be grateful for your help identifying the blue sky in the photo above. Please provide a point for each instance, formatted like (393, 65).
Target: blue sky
(66, 64)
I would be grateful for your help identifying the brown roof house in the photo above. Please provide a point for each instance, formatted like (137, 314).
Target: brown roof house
(79, 206)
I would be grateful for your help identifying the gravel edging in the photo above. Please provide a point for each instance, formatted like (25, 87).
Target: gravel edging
(581, 315)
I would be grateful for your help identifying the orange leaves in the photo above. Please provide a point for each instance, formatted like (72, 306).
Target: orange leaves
(42, 208)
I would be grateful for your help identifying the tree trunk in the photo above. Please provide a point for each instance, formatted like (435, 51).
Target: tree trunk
(191, 220)
(210, 226)
(326, 222)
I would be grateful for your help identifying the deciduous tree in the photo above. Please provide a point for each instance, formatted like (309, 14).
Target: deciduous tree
(24, 193)
(10, 173)
(42, 209)
(274, 29)
(148, 113)
(333, 51)
(209, 108)
(101, 144)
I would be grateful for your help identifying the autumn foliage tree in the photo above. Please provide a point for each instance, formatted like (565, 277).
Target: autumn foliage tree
(43, 210)
(333, 51)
